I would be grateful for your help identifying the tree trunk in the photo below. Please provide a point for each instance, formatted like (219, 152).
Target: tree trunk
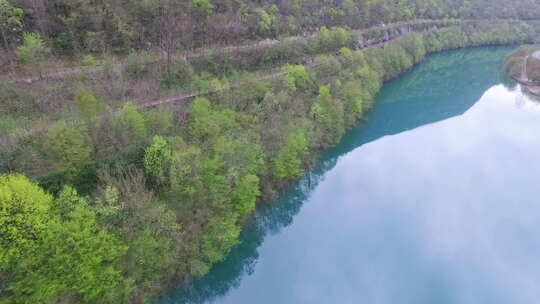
(9, 59)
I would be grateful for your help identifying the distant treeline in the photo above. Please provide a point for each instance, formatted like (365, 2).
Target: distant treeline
(73, 27)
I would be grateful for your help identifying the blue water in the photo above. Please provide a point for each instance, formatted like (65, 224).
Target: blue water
(435, 199)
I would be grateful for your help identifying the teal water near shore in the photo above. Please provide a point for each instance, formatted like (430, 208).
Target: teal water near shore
(434, 199)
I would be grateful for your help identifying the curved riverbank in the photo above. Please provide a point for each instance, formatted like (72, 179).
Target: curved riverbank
(173, 192)
(387, 59)
(349, 221)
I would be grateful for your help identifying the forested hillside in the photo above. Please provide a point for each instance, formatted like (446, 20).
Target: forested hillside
(140, 165)
(81, 26)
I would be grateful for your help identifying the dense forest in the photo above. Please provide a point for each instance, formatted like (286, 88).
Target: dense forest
(82, 26)
(141, 165)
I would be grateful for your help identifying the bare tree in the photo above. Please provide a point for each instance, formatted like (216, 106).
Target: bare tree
(174, 26)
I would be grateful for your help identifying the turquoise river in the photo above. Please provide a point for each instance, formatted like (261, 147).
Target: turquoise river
(434, 199)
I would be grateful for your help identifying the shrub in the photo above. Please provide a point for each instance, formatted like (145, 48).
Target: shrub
(131, 123)
(157, 159)
(180, 75)
(69, 148)
(296, 77)
(328, 40)
(267, 23)
(206, 83)
(88, 106)
(32, 52)
(137, 65)
(89, 61)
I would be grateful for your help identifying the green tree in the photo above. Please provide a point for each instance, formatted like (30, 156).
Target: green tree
(267, 21)
(203, 7)
(24, 216)
(69, 148)
(207, 83)
(207, 122)
(67, 201)
(11, 22)
(328, 112)
(414, 45)
(185, 172)
(245, 195)
(296, 77)
(55, 254)
(288, 162)
(33, 51)
(152, 233)
(131, 123)
(157, 158)
(220, 236)
(88, 106)
(160, 120)
(76, 258)
(353, 95)
(332, 39)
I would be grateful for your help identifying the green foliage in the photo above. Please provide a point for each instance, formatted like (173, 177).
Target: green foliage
(222, 236)
(33, 48)
(54, 256)
(185, 172)
(89, 61)
(88, 106)
(103, 26)
(157, 158)
(11, 22)
(32, 51)
(329, 116)
(109, 207)
(207, 123)
(160, 120)
(394, 59)
(216, 63)
(245, 195)
(414, 45)
(152, 232)
(351, 59)
(244, 153)
(68, 148)
(288, 162)
(354, 102)
(206, 83)
(177, 203)
(24, 214)
(333, 39)
(204, 7)
(131, 123)
(137, 65)
(267, 24)
(296, 77)
(327, 67)
(67, 201)
(75, 257)
(180, 74)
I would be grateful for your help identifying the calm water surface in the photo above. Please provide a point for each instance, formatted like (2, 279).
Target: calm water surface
(435, 199)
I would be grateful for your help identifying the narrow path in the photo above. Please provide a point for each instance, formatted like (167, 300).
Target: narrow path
(231, 48)
(268, 76)
(272, 74)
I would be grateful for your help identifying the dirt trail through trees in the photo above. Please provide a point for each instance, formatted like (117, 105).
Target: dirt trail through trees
(268, 76)
(196, 54)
